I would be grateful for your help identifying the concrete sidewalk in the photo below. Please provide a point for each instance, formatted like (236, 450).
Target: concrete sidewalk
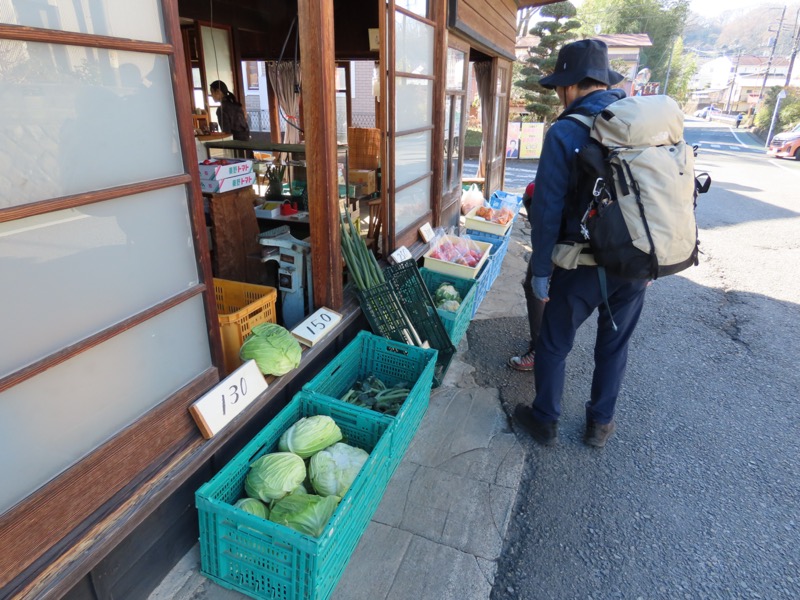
(439, 530)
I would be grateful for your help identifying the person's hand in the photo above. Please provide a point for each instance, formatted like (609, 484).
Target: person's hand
(540, 286)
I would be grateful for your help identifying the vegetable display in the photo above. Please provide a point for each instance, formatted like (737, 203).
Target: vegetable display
(254, 507)
(373, 393)
(274, 483)
(501, 216)
(460, 251)
(306, 513)
(274, 475)
(274, 349)
(333, 470)
(447, 297)
(310, 435)
(360, 261)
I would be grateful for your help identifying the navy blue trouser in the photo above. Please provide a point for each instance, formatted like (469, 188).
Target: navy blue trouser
(574, 295)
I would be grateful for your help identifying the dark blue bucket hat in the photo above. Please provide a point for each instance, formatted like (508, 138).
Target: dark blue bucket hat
(580, 60)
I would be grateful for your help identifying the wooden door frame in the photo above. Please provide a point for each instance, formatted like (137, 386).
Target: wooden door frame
(462, 46)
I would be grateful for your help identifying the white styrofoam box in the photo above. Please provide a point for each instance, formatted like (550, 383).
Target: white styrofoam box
(224, 168)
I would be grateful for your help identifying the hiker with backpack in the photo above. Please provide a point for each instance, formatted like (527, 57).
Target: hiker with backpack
(599, 235)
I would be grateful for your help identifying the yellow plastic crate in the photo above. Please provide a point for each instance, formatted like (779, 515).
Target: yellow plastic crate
(241, 306)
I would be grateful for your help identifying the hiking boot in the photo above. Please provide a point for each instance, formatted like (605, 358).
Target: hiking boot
(523, 362)
(597, 434)
(543, 433)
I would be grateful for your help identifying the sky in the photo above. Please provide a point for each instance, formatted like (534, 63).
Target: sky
(710, 8)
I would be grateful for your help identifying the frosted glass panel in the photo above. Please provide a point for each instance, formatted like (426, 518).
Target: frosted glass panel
(455, 69)
(412, 157)
(115, 18)
(413, 46)
(76, 119)
(414, 101)
(108, 387)
(412, 203)
(84, 269)
(419, 7)
(217, 56)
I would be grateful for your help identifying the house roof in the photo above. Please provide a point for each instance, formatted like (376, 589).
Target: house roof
(630, 40)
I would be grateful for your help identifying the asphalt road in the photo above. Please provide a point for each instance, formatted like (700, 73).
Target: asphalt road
(698, 493)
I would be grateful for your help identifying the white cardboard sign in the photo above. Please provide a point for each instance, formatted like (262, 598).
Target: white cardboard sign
(219, 406)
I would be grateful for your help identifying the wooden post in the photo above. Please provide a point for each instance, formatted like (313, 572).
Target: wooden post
(274, 113)
(315, 25)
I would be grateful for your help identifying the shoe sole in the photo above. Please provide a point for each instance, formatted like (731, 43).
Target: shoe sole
(519, 368)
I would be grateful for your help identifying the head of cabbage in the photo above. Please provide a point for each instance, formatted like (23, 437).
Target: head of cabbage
(274, 349)
(333, 470)
(310, 435)
(274, 475)
(306, 513)
(254, 507)
(445, 292)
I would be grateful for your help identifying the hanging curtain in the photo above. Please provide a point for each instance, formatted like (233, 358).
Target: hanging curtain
(483, 78)
(285, 78)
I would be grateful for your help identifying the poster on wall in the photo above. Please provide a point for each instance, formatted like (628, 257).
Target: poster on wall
(531, 138)
(512, 141)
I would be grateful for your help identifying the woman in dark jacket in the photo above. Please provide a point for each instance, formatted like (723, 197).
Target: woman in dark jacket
(230, 114)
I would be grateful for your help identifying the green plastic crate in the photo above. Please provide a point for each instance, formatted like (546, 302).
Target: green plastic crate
(269, 561)
(392, 362)
(455, 323)
(407, 283)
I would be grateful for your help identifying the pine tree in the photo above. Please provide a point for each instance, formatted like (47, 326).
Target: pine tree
(556, 28)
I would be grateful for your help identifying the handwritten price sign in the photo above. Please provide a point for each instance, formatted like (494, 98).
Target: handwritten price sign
(227, 399)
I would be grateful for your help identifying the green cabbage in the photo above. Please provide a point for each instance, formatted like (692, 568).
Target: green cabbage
(450, 305)
(306, 513)
(274, 475)
(274, 349)
(446, 292)
(254, 507)
(309, 435)
(333, 470)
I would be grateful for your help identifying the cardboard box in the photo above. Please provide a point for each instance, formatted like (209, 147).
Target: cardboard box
(225, 185)
(365, 181)
(355, 212)
(224, 168)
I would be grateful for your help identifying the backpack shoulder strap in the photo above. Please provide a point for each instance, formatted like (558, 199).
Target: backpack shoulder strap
(586, 120)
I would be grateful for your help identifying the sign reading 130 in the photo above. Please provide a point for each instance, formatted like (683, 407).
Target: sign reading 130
(220, 405)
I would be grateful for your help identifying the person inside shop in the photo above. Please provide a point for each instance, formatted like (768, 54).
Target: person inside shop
(230, 114)
(582, 81)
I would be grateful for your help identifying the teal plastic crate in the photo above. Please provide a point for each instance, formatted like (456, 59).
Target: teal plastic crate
(455, 323)
(272, 562)
(392, 362)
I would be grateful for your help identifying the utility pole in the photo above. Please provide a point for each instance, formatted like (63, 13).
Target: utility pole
(669, 66)
(771, 55)
(794, 48)
(733, 81)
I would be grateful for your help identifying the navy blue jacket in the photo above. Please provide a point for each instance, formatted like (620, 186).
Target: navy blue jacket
(564, 138)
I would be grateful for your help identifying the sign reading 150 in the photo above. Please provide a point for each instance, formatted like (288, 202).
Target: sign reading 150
(319, 323)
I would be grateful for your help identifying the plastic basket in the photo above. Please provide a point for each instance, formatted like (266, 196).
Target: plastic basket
(241, 306)
(456, 323)
(269, 561)
(384, 313)
(411, 291)
(492, 267)
(392, 362)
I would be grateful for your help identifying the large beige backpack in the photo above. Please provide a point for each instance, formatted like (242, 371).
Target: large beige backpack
(636, 188)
